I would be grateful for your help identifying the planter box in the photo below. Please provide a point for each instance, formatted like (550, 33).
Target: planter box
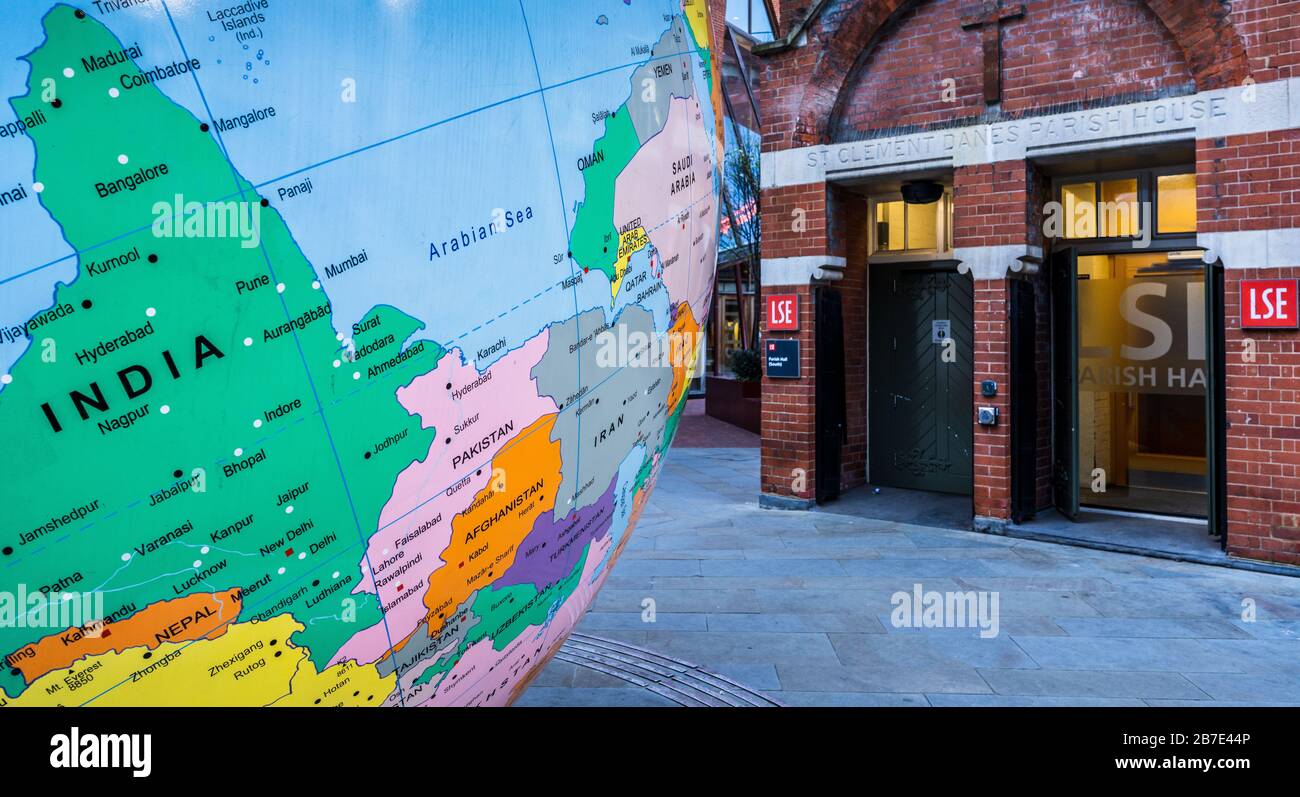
(738, 403)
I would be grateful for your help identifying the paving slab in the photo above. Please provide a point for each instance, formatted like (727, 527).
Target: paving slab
(805, 608)
(1089, 683)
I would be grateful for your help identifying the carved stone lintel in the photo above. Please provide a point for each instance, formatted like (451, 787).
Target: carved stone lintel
(995, 262)
(802, 270)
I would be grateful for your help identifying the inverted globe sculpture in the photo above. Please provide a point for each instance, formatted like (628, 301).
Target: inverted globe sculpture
(340, 348)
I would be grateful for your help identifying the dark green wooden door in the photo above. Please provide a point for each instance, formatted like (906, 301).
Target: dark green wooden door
(921, 410)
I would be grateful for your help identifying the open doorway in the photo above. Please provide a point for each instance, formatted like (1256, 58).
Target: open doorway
(1142, 384)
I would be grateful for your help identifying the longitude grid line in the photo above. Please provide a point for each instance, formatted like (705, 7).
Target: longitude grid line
(310, 383)
(564, 215)
(564, 210)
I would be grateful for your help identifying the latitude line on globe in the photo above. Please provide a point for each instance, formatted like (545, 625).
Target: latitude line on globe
(341, 156)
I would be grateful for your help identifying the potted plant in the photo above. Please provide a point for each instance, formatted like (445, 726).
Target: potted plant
(747, 367)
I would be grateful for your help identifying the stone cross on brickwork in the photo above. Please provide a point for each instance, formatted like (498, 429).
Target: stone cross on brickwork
(989, 16)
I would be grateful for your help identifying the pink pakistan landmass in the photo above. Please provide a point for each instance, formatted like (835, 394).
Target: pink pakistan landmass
(489, 409)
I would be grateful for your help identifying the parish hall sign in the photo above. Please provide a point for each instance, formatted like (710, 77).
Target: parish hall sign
(1232, 111)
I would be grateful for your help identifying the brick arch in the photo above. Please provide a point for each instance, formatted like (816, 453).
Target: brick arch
(1213, 50)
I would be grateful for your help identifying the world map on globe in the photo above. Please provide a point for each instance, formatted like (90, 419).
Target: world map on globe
(340, 344)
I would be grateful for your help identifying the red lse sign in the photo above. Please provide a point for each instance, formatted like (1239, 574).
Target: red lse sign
(1269, 304)
(782, 312)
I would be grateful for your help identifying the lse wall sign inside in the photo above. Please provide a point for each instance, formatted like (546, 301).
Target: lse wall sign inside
(1269, 304)
(782, 312)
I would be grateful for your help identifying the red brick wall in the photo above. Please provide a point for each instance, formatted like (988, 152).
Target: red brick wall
(787, 428)
(990, 205)
(850, 239)
(794, 221)
(1215, 42)
(717, 21)
(1248, 182)
(1244, 183)
(1263, 432)
(1098, 49)
(1267, 29)
(794, 225)
(990, 208)
(992, 361)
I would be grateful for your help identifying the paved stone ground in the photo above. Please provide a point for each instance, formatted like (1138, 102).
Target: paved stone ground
(797, 605)
(698, 430)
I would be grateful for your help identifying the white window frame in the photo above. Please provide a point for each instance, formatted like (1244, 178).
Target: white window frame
(943, 229)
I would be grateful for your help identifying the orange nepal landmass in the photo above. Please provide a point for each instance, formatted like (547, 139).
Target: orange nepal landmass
(486, 536)
(682, 340)
(176, 620)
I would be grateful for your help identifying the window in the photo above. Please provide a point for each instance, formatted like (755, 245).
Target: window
(1121, 206)
(1118, 211)
(903, 229)
(751, 17)
(890, 226)
(1078, 203)
(1176, 200)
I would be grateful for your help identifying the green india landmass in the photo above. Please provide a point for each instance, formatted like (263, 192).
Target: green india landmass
(183, 425)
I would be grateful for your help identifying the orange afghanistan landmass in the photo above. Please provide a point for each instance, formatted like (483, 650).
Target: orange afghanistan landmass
(486, 537)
